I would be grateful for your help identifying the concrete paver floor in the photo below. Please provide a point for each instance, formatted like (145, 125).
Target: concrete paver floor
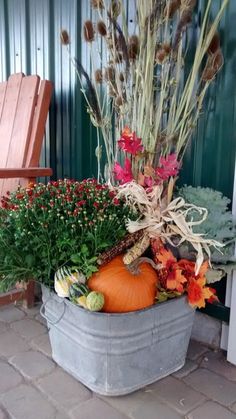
(32, 386)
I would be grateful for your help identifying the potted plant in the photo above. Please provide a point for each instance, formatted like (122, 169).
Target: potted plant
(114, 326)
(119, 317)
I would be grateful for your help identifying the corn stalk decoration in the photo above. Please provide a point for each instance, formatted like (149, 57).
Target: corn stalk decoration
(145, 101)
(143, 82)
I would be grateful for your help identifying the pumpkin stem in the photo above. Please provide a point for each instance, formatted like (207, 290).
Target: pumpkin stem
(134, 266)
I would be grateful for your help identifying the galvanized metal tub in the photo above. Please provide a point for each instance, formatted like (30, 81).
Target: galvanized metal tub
(115, 354)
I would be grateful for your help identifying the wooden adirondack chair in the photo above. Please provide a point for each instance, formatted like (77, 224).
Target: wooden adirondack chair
(24, 104)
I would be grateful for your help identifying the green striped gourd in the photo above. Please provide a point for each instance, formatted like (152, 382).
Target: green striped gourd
(64, 278)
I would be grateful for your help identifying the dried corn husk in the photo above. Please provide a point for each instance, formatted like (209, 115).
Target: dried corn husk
(166, 220)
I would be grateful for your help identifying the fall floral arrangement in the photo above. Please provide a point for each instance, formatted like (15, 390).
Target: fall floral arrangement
(117, 249)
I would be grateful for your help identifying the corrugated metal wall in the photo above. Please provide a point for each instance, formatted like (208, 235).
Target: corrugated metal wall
(29, 42)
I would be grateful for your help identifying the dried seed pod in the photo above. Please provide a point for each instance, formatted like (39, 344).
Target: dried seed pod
(101, 28)
(119, 101)
(160, 56)
(110, 74)
(214, 44)
(217, 60)
(172, 8)
(88, 31)
(97, 4)
(98, 76)
(133, 47)
(121, 77)
(115, 8)
(208, 74)
(167, 48)
(162, 53)
(65, 39)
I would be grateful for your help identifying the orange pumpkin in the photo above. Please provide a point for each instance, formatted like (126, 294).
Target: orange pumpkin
(123, 290)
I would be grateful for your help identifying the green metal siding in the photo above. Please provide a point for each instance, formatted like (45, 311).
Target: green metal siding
(210, 159)
(29, 42)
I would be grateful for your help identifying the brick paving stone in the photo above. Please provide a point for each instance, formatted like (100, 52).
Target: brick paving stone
(28, 328)
(40, 319)
(131, 402)
(32, 364)
(33, 311)
(216, 362)
(10, 314)
(2, 414)
(155, 410)
(189, 366)
(177, 394)
(213, 386)
(233, 407)
(25, 402)
(42, 343)
(63, 389)
(3, 327)
(195, 350)
(94, 409)
(211, 410)
(9, 377)
(11, 343)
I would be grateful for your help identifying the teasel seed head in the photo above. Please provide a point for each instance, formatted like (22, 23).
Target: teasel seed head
(88, 31)
(133, 47)
(101, 28)
(217, 60)
(208, 74)
(65, 39)
(110, 74)
(162, 53)
(98, 76)
(121, 77)
(97, 4)
(214, 44)
(115, 8)
(119, 101)
(213, 65)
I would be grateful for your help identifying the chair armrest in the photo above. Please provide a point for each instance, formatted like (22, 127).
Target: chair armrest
(29, 172)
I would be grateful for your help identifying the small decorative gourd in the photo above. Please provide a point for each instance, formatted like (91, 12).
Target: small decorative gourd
(95, 301)
(64, 278)
(125, 289)
(78, 290)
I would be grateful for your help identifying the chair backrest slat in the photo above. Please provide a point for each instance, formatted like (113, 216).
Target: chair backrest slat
(24, 103)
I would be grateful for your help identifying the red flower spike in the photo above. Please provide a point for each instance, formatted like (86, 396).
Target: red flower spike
(129, 142)
(175, 281)
(168, 167)
(198, 293)
(123, 175)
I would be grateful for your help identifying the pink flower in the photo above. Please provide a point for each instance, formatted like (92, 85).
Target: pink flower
(130, 142)
(168, 166)
(124, 175)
